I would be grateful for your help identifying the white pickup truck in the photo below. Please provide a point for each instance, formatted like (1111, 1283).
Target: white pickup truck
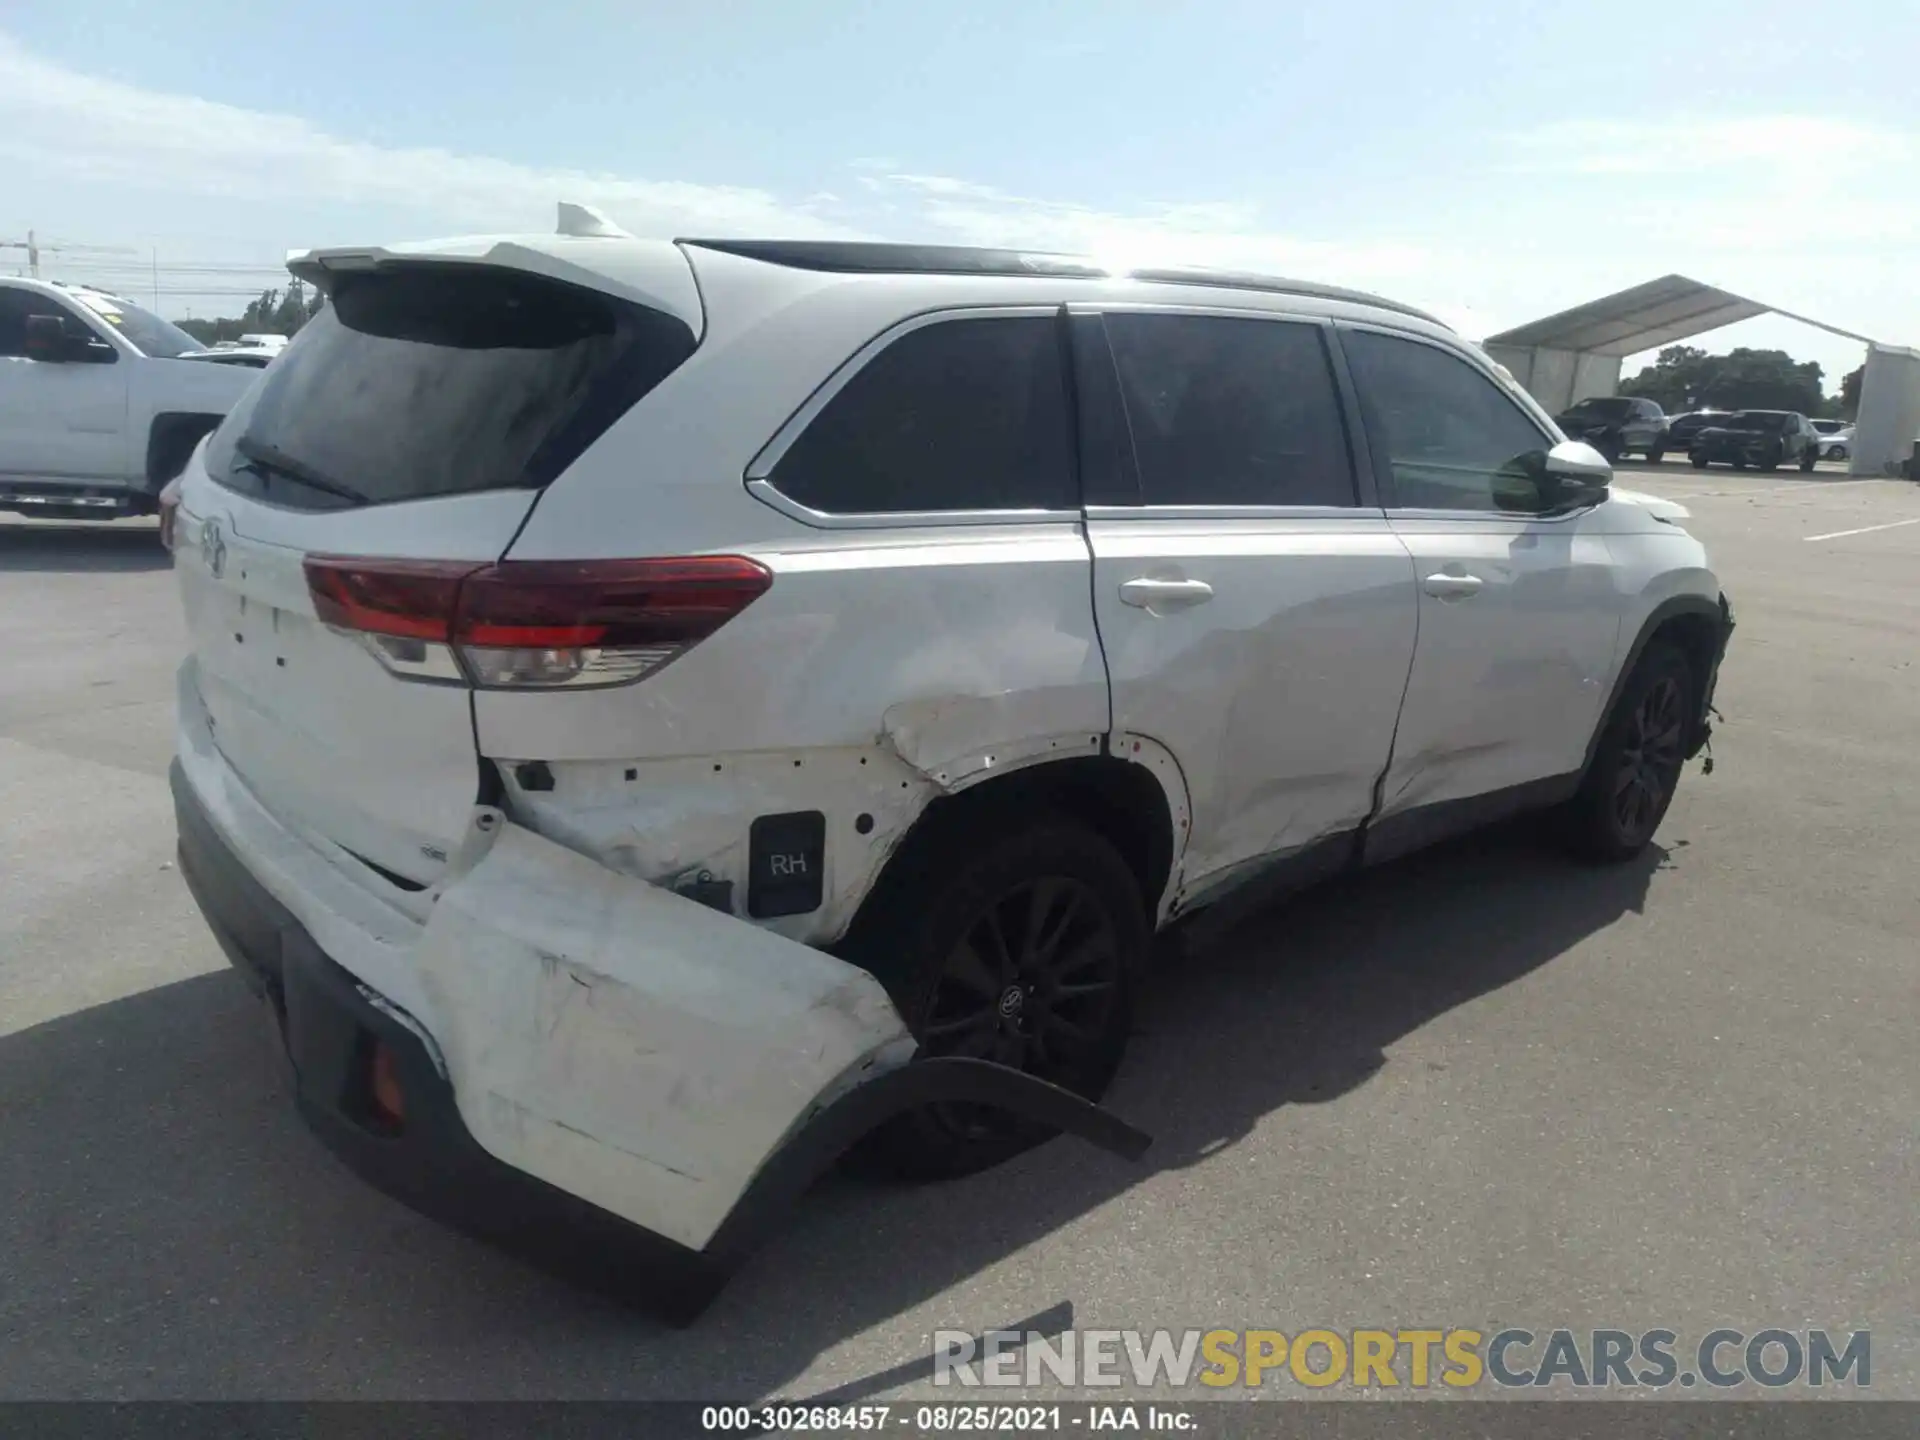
(101, 401)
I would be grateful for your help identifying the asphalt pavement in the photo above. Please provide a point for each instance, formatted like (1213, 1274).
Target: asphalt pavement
(1483, 1087)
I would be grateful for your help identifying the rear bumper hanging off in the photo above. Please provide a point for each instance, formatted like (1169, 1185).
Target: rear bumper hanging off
(331, 1025)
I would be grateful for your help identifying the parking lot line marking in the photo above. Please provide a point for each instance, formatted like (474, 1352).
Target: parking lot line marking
(1832, 484)
(1863, 530)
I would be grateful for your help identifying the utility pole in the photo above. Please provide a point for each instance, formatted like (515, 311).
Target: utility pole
(35, 250)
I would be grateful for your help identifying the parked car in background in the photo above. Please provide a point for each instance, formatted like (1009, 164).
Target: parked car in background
(1683, 427)
(1763, 439)
(101, 401)
(1836, 438)
(647, 730)
(1617, 425)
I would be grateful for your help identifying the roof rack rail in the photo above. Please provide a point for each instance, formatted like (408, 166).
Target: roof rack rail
(861, 257)
(1277, 285)
(865, 257)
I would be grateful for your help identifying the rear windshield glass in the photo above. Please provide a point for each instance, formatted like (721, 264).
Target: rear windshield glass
(424, 381)
(1603, 407)
(1756, 420)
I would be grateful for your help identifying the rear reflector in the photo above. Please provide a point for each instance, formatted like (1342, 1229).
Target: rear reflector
(388, 1100)
(533, 624)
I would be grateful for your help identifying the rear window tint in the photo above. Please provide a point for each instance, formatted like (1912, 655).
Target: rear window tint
(964, 414)
(1228, 411)
(423, 381)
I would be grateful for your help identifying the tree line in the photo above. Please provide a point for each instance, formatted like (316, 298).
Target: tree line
(276, 312)
(1683, 378)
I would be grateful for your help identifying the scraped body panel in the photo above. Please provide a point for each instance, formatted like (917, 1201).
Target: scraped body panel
(630, 1046)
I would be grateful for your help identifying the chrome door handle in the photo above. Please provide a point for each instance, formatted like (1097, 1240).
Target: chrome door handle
(1148, 594)
(1452, 587)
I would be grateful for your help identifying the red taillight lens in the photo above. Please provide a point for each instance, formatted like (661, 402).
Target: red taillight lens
(411, 599)
(169, 509)
(535, 624)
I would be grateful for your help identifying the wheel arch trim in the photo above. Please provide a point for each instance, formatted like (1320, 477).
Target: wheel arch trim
(1715, 612)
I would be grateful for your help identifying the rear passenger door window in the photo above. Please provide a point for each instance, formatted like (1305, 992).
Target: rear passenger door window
(962, 414)
(1231, 411)
(1448, 435)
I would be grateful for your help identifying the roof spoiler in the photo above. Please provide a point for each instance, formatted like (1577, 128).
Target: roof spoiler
(319, 268)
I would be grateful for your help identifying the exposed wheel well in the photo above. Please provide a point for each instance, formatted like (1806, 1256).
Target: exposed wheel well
(1120, 800)
(1695, 636)
(170, 441)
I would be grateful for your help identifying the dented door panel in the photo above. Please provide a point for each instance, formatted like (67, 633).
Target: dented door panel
(1509, 682)
(1278, 697)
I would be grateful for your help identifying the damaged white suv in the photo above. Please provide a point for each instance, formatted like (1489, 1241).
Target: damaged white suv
(662, 713)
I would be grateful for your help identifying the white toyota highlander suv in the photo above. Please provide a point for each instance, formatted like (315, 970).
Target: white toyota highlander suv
(662, 714)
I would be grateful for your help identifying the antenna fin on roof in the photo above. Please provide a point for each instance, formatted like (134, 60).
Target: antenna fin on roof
(585, 221)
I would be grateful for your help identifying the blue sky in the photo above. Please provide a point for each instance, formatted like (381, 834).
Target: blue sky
(1496, 162)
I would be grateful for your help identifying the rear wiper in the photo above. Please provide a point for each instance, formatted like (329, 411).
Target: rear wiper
(271, 459)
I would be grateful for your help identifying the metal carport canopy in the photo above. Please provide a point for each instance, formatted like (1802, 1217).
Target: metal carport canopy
(1646, 317)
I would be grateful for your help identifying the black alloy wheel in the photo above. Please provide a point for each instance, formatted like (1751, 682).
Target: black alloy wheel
(1011, 937)
(1034, 982)
(1648, 765)
(1637, 760)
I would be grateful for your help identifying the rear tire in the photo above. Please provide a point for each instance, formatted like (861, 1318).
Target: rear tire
(1656, 455)
(1016, 943)
(1699, 462)
(1636, 766)
(1807, 457)
(1837, 452)
(1739, 462)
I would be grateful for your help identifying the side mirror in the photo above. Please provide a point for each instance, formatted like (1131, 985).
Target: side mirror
(1576, 475)
(54, 340)
(45, 339)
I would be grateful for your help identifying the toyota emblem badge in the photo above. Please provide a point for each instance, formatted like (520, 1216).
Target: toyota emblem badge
(213, 548)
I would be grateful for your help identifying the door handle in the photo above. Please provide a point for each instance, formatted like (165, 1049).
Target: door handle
(1146, 593)
(1452, 587)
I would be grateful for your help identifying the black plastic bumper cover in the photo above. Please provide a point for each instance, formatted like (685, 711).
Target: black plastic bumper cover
(329, 1023)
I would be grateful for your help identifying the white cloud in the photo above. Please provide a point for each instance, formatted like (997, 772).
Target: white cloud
(1223, 234)
(124, 135)
(115, 134)
(1794, 149)
(1810, 211)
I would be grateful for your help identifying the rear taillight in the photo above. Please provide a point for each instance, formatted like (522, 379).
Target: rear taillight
(532, 624)
(169, 511)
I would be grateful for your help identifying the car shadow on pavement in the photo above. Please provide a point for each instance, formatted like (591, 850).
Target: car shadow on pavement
(175, 1232)
(81, 547)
